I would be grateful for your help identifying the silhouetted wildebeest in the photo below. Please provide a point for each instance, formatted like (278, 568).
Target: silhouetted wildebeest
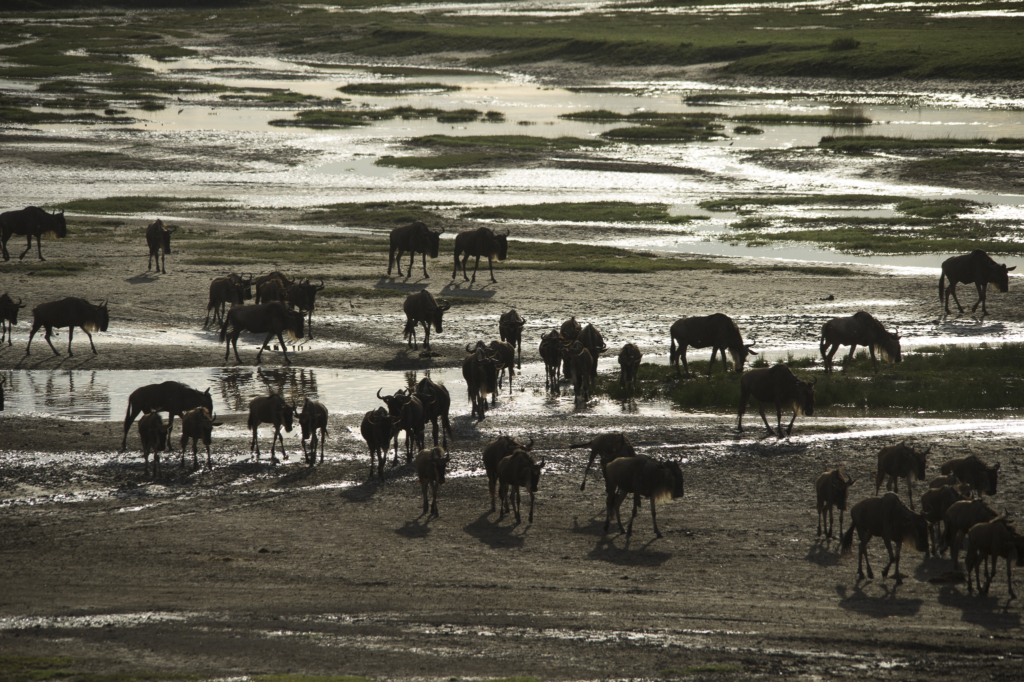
(944, 480)
(776, 384)
(569, 331)
(277, 290)
(519, 470)
(832, 488)
(271, 409)
(3, 380)
(407, 408)
(153, 435)
(273, 318)
(581, 363)
(233, 289)
(422, 309)
(959, 519)
(595, 345)
(69, 312)
(643, 477)
(480, 370)
(888, 518)
(629, 362)
(437, 402)
(551, 354)
(197, 425)
(717, 331)
(607, 446)
(8, 316)
(860, 329)
(313, 419)
(378, 428)
(976, 268)
(982, 478)
(415, 238)
(493, 453)
(935, 502)
(430, 468)
(997, 538)
(901, 461)
(171, 397)
(158, 238)
(31, 221)
(302, 295)
(507, 355)
(510, 328)
(480, 242)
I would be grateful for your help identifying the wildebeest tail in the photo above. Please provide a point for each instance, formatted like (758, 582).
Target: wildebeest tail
(447, 425)
(410, 328)
(847, 544)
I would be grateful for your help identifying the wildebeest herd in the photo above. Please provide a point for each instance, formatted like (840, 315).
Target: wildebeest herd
(949, 513)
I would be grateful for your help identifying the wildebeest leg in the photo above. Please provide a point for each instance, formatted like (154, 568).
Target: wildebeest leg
(129, 419)
(893, 558)
(29, 248)
(874, 361)
(426, 335)
(195, 454)
(981, 298)
(840, 523)
(465, 258)
(503, 500)
(475, 268)
(490, 264)
(255, 444)
(3, 244)
(157, 474)
(531, 506)
(863, 553)
(49, 331)
(910, 490)
(273, 442)
(952, 290)
(209, 461)
(711, 363)
(789, 430)
(425, 275)
(760, 406)
(284, 349)
(91, 344)
(517, 502)
(262, 346)
(849, 358)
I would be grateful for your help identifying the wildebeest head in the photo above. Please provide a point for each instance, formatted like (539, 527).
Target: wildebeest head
(998, 275)
(740, 355)
(677, 478)
(992, 474)
(502, 241)
(101, 319)
(9, 309)
(535, 467)
(394, 402)
(840, 484)
(58, 227)
(803, 399)
(442, 305)
(433, 241)
(306, 418)
(570, 329)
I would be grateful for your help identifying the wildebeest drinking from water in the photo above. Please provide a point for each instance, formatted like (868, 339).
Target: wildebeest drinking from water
(69, 312)
(158, 238)
(776, 384)
(272, 318)
(976, 268)
(8, 316)
(510, 328)
(480, 242)
(31, 221)
(414, 238)
(171, 397)
(832, 488)
(423, 309)
(717, 331)
(643, 477)
(901, 461)
(860, 329)
(888, 518)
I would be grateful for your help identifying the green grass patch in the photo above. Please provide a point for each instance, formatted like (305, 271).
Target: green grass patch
(515, 142)
(836, 118)
(347, 118)
(387, 214)
(674, 132)
(747, 130)
(592, 211)
(391, 89)
(845, 200)
(937, 209)
(50, 268)
(447, 161)
(591, 258)
(308, 678)
(133, 204)
(859, 144)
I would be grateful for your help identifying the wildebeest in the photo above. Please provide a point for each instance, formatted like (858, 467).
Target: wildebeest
(860, 329)
(595, 345)
(776, 384)
(717, 331)
(172, 397)
(480, 242)
(378, 428)
(944, 480)
(495, 451)
(408, 410)
(153, 435)
(959, 519)
(901, 461)
(832, 488)
(480, 370)
(3, 380)
(31, 221)
(506, 354)
(982, 478)
(569, 331)
(9, 316)
(436, 403)
(607, 446)
(518, 470)
(510, 328)
(422, 309)
(580, 363)
(69, 312)
(158, 238)
(197, 425)
(273, 318)
(996, 538)
(888, 518)
(313, 420)
(302, 295)
(277, 291)
(977, 268)
(643, 477)
(430, 468)
(271, 409)
(415, 238)
(629, 362)
(934, 504)
(231, 289)
(551, 354)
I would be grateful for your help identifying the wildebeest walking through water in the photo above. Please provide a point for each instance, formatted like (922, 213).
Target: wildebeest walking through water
(70, 312)
(976, 268)
(272, 318)
(31, 221)
(859, 329)
(776, 384)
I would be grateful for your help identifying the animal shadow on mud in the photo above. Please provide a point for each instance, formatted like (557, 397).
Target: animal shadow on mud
(822, 552)
(402, 284)
(415, 528)
(487, 530)
(882, 606)
(487, 290)
(143, 278)
(992, 611)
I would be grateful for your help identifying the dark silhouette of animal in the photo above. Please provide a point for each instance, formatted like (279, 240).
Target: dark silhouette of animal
(437, 402)
(506, 354)
(860, 329)
(197, 425)
(172, 397)
(776, 384)
(231, 289)
(31, 221)
(934, 504)
(643, 477)
(569, 331)
(607, 446)
(944, 480)
(8, 316)
(407, 408)
(976, 268)
(595, 345)
(982, 478)
(888, 518)
(430, 468)
(901, 461)
(480, 370)
(422, 309)
(378, 428)
(154, 436)
(158, 238)
(273, 290)
(717, 331)
(271, 318)
(518, 470)
(69, 312)
(271, 409)
(302, 295)
(415, 238)
(495, 451)
(629, 363)
(3, 380)
(959, 519)
(510, 328)
(996, 538)
(313, 421)
(581, 364)
(551, 354)
(276, 290)
(832, 488)
(480, 242)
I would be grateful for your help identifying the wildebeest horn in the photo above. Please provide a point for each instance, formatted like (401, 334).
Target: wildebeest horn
(321, 285)
(530, 446)
(508, 231)
(104, 304)
(20, 304)
(378, 392)
(468, 349)
(543, 461)
(443, 304)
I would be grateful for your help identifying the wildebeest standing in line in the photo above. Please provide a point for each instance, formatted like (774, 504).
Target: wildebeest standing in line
(233, 289)
(378, 428)
(422, 309)
(9, 316)
(278, 289)
(607, 446)
(273, 318)
(480, 370)
(158, 238)
(519, 470)
(901, 461)
(832, 489)
(997, 538)
(153, 435)
(977, 268)
(172, 397)
(430, 469)
(959, 519)
(510, 328)
(776, 384)
(302, 295)
(415, 238)
(551, 353)
(580, 362)
(197, 425)
(407, 408)
(935, 502)
(31, 221)
(480, 242)
(569, 332)
(271, 409)
(495, 451)
(859, 329)
(437, 402)
(643, 477)
(888, 518)
(69, 312)
(507, 355)
(313, 420)
(595, 345)
(717, 331)
(629, 362)
(973, 471)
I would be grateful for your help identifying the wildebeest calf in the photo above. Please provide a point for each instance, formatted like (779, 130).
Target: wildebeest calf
(832, 488)
(901, 461)
(959, 519)
(153, 435)
(8, 316)
(197, 425)
(313, 419)
(271, 409)
(430, 468)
